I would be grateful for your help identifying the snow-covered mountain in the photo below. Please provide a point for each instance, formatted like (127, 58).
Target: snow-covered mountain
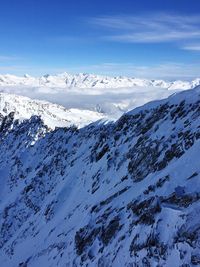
(111, 96)
(82, 80)
(125, 193)
(53, 115)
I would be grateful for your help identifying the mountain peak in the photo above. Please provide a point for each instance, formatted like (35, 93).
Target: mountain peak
(85, 80)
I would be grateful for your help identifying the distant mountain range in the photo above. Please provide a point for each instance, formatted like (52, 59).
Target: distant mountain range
(83, 80)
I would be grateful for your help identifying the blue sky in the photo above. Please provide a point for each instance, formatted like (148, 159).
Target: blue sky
(146, 38)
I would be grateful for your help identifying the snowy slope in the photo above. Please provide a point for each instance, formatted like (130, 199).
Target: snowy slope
(116, 194)
(83, 80)
(53, 115)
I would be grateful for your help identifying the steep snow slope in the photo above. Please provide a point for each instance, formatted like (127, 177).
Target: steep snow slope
(121, 194)
(83, 80)
(53, 115)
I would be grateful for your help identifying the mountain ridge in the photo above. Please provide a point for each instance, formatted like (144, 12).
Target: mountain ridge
(83, 80)
(53, 115)
(123, 193)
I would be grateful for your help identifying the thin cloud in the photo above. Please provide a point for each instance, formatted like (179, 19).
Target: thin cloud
(8, 58)
(166, 71)
(192, 47)
(150, 28)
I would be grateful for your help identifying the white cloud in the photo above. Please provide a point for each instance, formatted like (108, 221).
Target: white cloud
(150, 28)
(192, 47)
(166, 70)
(6, 58)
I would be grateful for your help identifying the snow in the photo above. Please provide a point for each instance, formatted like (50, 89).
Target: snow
(42, 212)
(111, 96)
(53, 115)
(84, 80)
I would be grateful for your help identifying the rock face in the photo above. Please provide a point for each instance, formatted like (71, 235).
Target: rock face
(116, 194)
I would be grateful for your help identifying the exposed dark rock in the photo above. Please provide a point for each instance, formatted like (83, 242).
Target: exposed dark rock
(195, 259)
(84, 238)
(110, 230)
